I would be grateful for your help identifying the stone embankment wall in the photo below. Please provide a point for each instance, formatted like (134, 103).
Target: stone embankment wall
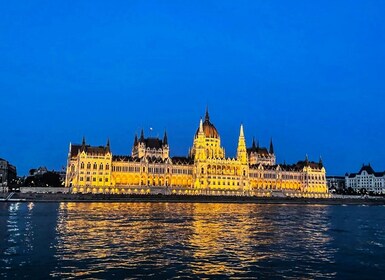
(43, 190)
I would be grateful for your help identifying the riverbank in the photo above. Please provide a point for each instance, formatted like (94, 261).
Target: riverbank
(39, 197)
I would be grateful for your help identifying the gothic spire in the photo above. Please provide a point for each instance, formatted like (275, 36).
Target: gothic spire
(135, 140)
(83, 148)
(253, 145)
(141, 136)
(241, 133)
(165, 141)
(108, 144)
(271, 150)
(241, 150)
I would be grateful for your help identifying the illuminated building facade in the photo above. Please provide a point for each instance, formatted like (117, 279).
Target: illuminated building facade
(206, 169)
(7, 173)
(366, 180)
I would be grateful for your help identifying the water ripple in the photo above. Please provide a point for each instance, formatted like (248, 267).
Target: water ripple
(162, 240)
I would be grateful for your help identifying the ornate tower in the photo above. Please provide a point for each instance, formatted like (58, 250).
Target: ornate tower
(198, 150)
(165, 147)
(207, 138)
(241, 150)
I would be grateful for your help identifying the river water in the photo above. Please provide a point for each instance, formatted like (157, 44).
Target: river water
(191, 240)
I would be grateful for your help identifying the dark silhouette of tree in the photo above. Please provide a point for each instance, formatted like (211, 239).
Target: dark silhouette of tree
(48, 179)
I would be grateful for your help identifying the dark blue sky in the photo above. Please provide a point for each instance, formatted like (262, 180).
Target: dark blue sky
(310, 74)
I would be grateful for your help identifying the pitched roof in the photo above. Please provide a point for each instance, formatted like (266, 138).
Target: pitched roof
(259, 150)
(122, 158)
(368, 170)
(315, 165)
(182, 160)
(99, 150)
(153, 143)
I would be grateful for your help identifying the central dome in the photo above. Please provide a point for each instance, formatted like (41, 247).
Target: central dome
(208, 128)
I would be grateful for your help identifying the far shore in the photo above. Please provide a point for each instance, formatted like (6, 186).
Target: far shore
(106, 198)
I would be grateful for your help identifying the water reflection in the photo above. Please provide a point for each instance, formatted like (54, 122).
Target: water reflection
(180, 240)
(24, 246)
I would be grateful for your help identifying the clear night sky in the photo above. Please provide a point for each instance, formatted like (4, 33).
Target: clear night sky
(310, 74)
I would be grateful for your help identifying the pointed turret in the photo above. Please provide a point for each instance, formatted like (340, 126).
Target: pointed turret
(83, 148)
(241, 150)
(271, 150)
(165, 140)
(253, 145)
(135, 140)
(108, 144)
(320, 163)
(141, 139)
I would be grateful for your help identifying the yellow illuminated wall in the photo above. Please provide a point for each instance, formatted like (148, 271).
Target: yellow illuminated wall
(205, 171)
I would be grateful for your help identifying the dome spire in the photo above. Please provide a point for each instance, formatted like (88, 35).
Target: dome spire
(207, 116)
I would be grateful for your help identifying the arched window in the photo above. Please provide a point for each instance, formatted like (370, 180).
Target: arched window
(82, 165)
(72, 168)
(95, 166)
(203, 170)
(107, 167)
(101, 166)
(89, 165)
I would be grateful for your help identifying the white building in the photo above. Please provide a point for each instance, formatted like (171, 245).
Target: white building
(366, 180)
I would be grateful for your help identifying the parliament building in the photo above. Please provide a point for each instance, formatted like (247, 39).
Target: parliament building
(204, 171)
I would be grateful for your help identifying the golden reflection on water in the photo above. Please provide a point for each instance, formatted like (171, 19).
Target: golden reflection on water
(202, 239)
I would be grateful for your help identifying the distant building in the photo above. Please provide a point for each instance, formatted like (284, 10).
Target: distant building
(206, 169)
(335, 183)
(366, 180)
(7, 172)
(40, 171)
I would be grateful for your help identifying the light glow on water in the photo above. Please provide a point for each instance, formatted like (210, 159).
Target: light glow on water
(199, 240)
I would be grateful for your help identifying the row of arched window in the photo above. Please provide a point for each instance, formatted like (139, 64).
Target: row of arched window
(95, 166)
